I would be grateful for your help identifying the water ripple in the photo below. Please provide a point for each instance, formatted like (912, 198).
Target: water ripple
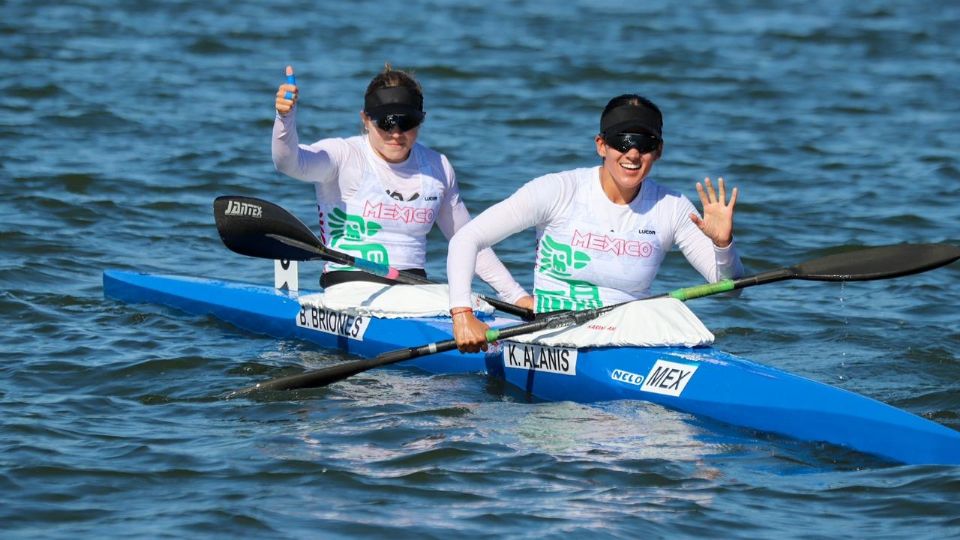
(835, 119)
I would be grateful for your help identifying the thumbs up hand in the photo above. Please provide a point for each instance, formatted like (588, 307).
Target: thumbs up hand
(287, 93)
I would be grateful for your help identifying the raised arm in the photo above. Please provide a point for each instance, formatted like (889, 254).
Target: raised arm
(707, 242)
(310, 163)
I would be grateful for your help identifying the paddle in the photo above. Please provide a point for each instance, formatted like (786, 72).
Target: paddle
(259, 228)
(861, 265)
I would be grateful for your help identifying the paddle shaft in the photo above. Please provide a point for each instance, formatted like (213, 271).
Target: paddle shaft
(389, 272)
(339, 372)
(900, 260)
(332, 374)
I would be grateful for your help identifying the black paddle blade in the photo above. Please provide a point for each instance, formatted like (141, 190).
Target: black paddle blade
(314, 379)
(259, 228)
(881, 262)
(329, 375)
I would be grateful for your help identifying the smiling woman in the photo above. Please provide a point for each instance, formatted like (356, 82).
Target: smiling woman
(629, 122)
(602, 232)
(381, 192)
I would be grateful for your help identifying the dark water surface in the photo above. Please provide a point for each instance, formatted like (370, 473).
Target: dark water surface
(121, 121)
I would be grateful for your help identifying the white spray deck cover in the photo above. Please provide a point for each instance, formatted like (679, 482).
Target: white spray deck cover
(658, 322)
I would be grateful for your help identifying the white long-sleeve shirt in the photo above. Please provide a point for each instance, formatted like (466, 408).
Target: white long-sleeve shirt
(382, 211)
(591, 251)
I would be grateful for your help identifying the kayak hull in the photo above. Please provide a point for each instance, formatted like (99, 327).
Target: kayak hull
(702, 381)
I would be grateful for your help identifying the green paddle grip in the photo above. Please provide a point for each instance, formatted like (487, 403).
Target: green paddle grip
(706, 289)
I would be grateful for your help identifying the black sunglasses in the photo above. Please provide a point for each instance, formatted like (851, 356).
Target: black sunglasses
(405, 122)
(623, 142)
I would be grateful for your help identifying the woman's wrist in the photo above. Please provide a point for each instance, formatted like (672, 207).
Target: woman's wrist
(460, 311)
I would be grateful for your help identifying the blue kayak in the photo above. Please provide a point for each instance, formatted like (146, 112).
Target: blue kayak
(700, 380)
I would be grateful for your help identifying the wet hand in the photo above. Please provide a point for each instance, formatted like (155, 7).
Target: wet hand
(287, 93)
(717, 221)
(525, 302)
(469, 333)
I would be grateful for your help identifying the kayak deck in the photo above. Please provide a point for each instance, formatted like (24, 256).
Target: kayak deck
(702, 381)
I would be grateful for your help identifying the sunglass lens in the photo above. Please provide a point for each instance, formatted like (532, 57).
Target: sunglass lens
(623, 142)
(386, 123)
(405, 122)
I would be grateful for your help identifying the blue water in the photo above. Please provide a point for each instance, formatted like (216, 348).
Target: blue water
(121, 121)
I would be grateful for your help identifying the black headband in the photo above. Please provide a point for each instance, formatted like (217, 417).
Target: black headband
(392, 100)
(632, 119)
